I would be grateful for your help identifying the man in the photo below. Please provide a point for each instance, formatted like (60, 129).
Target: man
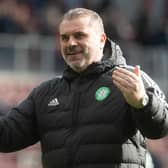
(98, 114)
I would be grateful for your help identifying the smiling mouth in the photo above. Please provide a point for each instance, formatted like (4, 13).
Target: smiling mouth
(74, 57)
(74, 53)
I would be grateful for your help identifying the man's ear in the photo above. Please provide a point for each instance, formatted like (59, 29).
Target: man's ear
(103, 39)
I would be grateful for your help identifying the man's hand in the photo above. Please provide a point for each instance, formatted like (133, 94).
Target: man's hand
(130, 84)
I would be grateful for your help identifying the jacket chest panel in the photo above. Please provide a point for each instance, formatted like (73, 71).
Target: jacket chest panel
(56, 112)
(89, 103)
(101, 110)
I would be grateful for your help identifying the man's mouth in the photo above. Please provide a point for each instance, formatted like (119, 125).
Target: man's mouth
(74, 56)
(73, 50)
(74, 53)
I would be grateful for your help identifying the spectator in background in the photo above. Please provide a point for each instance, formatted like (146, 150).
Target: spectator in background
(52, 15)
(50, 18)
(117, 25)
(148, 31)
(98, 6)
(17, 17)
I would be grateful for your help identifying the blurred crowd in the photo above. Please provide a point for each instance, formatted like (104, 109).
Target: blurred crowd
(12, 91)
(148, 25)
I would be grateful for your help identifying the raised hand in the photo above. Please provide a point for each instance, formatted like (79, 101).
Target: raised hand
(130, 84)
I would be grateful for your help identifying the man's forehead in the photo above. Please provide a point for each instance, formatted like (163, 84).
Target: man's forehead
(78, 20)
(81, 23)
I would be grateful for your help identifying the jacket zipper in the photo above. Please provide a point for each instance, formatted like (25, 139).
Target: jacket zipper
(71, 146)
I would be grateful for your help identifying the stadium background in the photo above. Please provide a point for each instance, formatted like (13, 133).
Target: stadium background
(29, 52)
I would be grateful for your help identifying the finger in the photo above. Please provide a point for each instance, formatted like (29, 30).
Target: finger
(129, 77)
(123, 71)
(137, 70)
(125, 85)
(121, 80)
(118, 85)
(125, 82)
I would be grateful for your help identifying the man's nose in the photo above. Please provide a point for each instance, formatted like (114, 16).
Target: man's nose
(72, 41)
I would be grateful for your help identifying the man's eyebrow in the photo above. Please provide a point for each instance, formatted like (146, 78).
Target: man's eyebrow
(63, 35)
(77, 32)
(81, 32)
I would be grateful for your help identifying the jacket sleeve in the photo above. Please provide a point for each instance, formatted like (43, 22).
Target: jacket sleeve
(152, 120)
(18, 127)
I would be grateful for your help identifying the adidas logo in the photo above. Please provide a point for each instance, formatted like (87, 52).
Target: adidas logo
(53, 102)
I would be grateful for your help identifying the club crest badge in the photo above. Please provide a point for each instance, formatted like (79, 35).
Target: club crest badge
(102, 93)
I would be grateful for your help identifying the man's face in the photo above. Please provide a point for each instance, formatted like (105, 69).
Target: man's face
(81, 42)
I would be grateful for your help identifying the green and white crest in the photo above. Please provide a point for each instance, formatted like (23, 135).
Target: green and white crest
(102, 93)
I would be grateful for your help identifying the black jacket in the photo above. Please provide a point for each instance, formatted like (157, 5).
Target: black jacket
(83, 121)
